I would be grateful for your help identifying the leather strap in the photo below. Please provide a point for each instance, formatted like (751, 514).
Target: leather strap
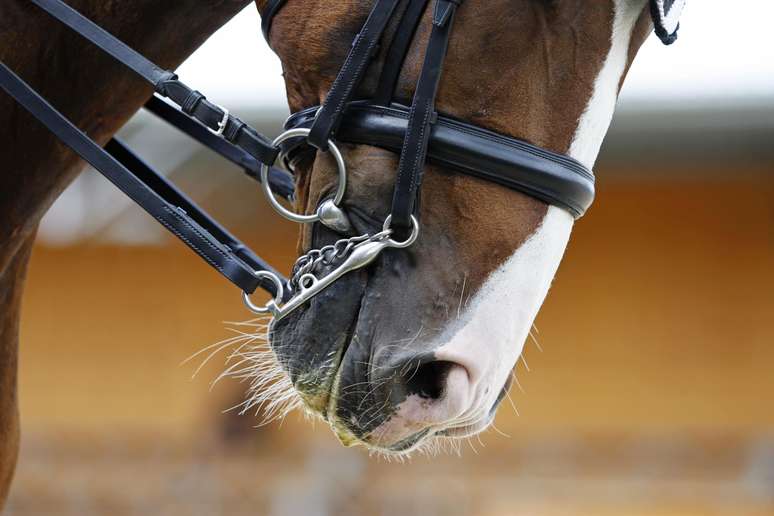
(173, 195)
(553, 178)
(363, 50)
(281, 182)
(165, 83)
(413, 155)
(396, 55)
(104, 40)
(218, 120)
(167, 212)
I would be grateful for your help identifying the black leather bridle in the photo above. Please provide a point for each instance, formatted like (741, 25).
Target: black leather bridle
(418, 133)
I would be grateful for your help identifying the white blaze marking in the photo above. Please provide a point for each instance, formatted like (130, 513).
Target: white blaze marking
(498, 320)
(595, 120)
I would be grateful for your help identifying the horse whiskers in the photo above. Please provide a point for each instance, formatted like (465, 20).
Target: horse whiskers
(232, 371)
(526, 365)
(251, 359)
(376, 410)
(384, 381)
(272, 396)
(255, 323)
(517, 382)
(432, 446)
(500, 431)
(534, 339)
(462, 295)
(270, 393)
(219, 346)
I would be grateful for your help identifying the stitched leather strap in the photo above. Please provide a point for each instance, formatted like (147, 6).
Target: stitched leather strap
(363, 51)
(174, 196)
(396, 54)
(104, 40)
(215, 118)
(553, 178)
(281, 182)
(413, 155)
(165, 82)
(196, 234)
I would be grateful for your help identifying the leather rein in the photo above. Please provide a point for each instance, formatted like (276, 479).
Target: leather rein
(418, 133)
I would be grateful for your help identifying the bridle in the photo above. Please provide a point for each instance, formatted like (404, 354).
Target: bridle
(418, 133)
(410, 132)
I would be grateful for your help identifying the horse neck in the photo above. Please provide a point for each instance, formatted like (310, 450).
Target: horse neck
(98, 96)
(11, 286)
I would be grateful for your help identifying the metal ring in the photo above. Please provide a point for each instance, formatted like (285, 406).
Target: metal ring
(340, 190)
(277, 297)
(410, 240)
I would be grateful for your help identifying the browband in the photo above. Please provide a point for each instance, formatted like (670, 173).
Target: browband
(550, 177)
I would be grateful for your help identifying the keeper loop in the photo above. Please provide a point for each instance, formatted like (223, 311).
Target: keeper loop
(191, 101)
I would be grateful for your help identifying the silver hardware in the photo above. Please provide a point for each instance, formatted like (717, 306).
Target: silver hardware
(359, 251)
(223, 122)
(411, 238)
(309, 262)
(334, 217)
(309, 285)
(340, 189)
(277, 298)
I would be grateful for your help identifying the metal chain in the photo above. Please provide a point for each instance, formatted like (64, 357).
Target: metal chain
(351, 254)
(311, 261)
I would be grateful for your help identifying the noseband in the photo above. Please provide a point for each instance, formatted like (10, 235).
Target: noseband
(417, 133)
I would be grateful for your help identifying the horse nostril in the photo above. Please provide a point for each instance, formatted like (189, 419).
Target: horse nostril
(429, 380)
(427, 396)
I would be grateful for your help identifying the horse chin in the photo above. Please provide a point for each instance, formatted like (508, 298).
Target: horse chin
(329, 349)
(310, 343)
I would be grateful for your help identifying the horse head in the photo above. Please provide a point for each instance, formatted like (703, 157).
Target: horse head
(423, 342)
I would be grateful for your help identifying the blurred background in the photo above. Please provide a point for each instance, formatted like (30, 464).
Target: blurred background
(651, 392)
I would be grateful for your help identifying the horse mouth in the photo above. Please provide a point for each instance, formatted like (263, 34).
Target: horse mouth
(343, 355)
(311, 343)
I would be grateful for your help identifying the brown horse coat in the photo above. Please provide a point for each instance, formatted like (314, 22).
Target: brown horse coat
(99, 96)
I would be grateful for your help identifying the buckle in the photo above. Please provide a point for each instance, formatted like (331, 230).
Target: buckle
(223, 121)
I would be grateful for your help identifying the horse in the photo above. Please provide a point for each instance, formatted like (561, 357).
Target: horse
(421, 344)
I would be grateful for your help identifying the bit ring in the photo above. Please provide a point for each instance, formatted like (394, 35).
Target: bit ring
(340, 189)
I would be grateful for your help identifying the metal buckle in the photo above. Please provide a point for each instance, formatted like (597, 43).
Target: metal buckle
(223, 121)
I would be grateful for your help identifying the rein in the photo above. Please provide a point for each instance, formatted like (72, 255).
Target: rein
(418, 133)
